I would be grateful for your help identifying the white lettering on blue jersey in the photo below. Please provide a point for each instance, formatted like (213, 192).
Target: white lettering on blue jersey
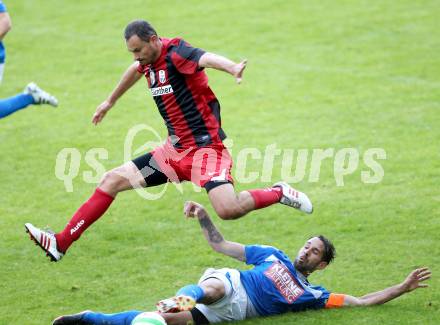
(274, 286)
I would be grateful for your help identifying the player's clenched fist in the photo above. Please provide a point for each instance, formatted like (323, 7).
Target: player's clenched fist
(193, 209)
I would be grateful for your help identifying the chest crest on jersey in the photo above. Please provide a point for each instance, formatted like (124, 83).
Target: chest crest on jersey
(162, 76)
(152, 77)
(159, 88)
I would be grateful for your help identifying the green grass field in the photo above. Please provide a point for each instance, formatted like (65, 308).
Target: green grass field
(321, 74)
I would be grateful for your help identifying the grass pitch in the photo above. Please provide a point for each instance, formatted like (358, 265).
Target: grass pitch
(325, 74)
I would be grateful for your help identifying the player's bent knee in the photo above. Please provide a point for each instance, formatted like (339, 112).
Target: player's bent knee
(112, 182)
(226, 215)
(213, 289)
(229, 213)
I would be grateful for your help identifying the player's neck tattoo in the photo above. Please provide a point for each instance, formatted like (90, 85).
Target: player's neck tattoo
(213, 235)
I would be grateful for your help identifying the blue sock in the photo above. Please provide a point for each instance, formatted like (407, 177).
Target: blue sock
(192, 290)
(123, 318)
(13, 104)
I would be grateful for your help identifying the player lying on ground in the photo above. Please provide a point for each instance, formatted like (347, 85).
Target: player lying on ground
(194, 150)
(274, 286)
(32, 94)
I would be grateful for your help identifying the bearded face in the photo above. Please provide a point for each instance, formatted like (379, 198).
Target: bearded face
(309, 257)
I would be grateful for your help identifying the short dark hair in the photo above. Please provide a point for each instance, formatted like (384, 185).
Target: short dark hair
(141, 29)
(329, 252)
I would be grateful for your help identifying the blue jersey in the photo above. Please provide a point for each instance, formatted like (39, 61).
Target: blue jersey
(2, 48)
(274, 286)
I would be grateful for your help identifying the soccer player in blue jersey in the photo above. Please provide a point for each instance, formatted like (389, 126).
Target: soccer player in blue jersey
(32, 94)
(275, 285)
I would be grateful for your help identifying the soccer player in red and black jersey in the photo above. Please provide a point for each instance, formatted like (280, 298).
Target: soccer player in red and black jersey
(193, 151)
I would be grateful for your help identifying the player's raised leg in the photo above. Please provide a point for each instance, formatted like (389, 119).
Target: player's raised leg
(13, 104)
(129, 175)
(32, 95)
(211, 168)
(230, 205)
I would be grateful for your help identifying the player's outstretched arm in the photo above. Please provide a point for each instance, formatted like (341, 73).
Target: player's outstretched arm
(212, 235)
(5, 24)
(413, 281)
(129, 78)
(211, 60)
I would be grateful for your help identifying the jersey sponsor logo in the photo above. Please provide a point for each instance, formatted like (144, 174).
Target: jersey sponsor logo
(164, 90)
(78, 225)
(162, 77)
(285, 283)
(152, 77)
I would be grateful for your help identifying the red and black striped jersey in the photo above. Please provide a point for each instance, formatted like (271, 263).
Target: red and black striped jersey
(180, 89)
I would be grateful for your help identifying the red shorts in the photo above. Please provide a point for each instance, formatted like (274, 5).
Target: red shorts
(207, 166)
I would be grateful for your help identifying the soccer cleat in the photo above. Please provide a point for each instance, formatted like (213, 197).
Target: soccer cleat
(176, 304)
(294, 198)
(46, 240)
(75, 319)
(39, 95)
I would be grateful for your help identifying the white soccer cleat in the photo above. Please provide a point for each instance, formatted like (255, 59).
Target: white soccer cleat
(46, 240)
(39, 95)
(294, 198)
(176, 304)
